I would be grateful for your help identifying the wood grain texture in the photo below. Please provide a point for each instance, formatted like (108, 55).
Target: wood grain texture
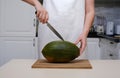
(75, 64)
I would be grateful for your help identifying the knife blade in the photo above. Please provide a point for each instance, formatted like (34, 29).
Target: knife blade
(54, 31)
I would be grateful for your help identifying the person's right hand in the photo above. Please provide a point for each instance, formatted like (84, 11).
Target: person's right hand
(41, 13)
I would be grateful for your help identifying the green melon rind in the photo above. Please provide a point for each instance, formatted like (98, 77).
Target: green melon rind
(70, 52)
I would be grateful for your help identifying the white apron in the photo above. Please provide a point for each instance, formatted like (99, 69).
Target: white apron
(67, 17)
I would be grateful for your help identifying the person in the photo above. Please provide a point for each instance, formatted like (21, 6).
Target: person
(71, 18)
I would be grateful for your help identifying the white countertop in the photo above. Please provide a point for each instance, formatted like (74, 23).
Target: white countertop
(21, 68)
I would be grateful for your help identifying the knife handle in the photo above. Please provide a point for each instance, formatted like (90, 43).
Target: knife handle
(35, 12)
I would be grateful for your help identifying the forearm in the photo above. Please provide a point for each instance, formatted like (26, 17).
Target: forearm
(41, 14)
(89, 18)
(33, 2)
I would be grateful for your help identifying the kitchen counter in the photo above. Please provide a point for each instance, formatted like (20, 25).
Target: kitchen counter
(95, 35)
(21, 68)
(112, 38)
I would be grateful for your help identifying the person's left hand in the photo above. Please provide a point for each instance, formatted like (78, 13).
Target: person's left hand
(83, 42)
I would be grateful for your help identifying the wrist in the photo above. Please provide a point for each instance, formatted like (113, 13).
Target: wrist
(37, 4)
(85, 33)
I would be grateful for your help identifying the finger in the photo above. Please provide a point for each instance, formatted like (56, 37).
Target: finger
(43, 17)
(37, 14)
(40, 17)
(46, 19)
(82, 48)
(77, 41)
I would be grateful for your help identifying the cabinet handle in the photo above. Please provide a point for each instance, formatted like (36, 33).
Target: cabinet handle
(37, 22)
(111, 55)
(99, 42)
(34, 42)
(111, 42)
(34, 22)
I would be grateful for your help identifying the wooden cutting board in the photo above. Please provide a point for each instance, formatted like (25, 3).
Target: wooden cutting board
(75, 64)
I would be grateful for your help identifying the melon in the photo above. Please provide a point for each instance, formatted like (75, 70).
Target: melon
(60, 51)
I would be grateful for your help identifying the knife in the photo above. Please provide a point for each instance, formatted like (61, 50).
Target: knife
(53, 29)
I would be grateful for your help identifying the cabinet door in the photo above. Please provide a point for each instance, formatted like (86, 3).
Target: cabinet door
(17, 48)
(109, 49)
(118, 47)
(16, 18)
(0, 15)
(93, 50)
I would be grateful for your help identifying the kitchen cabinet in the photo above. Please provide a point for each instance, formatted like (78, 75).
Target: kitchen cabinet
(17, 48)
(92, 50)
(118, 47)
(17, 31)
(16, 19)
(109, 49)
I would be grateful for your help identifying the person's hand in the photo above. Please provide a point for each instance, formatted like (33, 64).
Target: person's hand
(83, 42)
(41, 14)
